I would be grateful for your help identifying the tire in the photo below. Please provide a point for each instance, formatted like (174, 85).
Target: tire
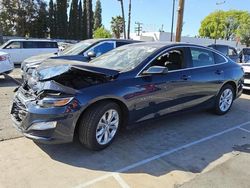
(92, 123)
(226, 90)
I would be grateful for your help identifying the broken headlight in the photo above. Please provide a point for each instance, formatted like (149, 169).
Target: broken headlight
(54, 102)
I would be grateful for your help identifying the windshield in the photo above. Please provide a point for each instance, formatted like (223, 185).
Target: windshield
(77, 48)
(124, 58)
(246, 51)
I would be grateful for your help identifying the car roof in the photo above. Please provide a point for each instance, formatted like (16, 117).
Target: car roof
(32, 40)
(110, 39)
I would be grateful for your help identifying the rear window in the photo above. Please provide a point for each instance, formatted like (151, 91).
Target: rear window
(118, 44)
(37, 44)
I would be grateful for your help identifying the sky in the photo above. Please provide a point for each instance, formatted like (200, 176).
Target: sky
(155, 13)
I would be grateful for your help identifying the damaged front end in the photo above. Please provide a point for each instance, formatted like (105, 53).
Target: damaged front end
(46, 107)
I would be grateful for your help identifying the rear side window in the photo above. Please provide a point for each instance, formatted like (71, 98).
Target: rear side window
(36, 44)
(202, 57)
(218, 58)
(118, 44)
(222, 49)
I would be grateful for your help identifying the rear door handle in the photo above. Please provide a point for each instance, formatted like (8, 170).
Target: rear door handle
(219, 72)
(186, 77)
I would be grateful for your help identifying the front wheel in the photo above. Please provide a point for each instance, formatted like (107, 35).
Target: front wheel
(99, 125)
(224, 100)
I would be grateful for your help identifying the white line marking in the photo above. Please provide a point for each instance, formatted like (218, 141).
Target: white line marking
(129, 167)
(121, 181)
(244, 129)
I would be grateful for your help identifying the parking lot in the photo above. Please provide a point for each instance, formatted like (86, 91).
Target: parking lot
(197, 149)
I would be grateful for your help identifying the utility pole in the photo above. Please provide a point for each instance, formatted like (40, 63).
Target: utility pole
(180, 20)
(218, 21)
(138, 28)
(123, 16)
(129, 18)
(172, 25)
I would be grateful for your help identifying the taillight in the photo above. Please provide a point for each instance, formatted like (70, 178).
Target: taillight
(3, 58)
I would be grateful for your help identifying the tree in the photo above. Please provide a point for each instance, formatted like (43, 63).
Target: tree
(73, 20)
(129, 18)
(52, 19)
(88, 18)
(244, 30)
(117, 26)
(80, 25)
(123, 18)
(40, 23)
(101, 32)
(62, 19)
(98, 15)
(222, 24)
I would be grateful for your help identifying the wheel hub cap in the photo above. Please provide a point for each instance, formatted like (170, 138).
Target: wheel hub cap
(226, 100)
(107, 127)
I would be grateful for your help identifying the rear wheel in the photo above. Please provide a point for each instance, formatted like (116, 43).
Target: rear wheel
(224, 100)
(99, 125)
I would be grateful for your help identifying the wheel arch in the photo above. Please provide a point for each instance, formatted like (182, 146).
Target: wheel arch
(122, 105)
(233, 84)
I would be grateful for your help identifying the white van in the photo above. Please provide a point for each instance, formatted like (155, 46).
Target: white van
(21, 49)
(5, 65)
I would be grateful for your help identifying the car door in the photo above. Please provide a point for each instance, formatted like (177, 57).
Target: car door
(163, 93)
(14, 50)
(207, 74)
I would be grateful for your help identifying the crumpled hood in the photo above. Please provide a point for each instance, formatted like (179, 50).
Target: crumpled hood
(49, 71)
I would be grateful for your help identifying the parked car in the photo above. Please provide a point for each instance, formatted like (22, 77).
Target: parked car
(229, 51)
(6, 66)
(125, 86)
(83, 51)
(246, 68)
(244, 55)
(21, 49)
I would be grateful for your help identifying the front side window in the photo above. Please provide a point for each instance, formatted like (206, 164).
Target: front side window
(103, 48)
(77, 49)
(14, 45)
(202, 57)
(173, 60)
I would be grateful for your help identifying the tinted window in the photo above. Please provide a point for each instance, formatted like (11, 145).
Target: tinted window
(232, 52)
(222, 49)
(103, 48)
(173, 60)
(14, 45)
(118, 44)
(37, 44)
(202, 57)
(218, 58)
(246, 51)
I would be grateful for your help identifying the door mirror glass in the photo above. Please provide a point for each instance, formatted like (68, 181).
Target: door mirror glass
(156, 70)
(91, 55)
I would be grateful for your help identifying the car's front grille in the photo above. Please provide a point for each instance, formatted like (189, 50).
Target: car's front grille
(18, 110)
(247, 85)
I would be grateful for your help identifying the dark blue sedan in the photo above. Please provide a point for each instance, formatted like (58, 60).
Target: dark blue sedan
(123, 87)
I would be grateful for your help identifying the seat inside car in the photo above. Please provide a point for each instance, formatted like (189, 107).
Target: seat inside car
(172, 60)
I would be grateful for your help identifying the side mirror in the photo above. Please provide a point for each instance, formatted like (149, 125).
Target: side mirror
(91, 54)
(156, 70)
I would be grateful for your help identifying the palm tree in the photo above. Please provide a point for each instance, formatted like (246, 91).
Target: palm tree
(117, 26)
(129, 18)
(123, 17)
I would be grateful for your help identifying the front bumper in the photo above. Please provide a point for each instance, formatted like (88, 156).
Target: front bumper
(25, 113)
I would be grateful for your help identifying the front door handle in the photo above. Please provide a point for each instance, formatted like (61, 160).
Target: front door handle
(219, 72)
(186, 77)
